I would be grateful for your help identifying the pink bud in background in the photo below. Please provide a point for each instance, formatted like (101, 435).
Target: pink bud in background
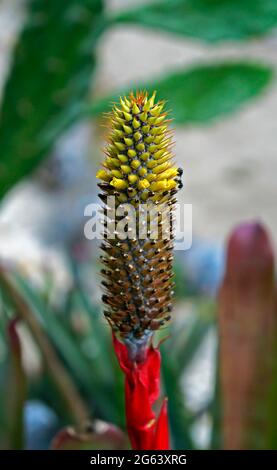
(247, 322)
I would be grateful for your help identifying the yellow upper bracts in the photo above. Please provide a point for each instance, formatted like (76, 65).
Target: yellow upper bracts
(139, 151)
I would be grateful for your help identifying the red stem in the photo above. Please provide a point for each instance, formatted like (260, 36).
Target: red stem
(142, 389)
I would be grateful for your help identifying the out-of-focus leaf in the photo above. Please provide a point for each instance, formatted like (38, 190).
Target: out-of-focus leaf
(98, 436)
(271, 439)
(56, 331)
(178, 353)
(203, 93)
(90, 373)
(186, 351)
(57, 371)
(183, 287)
(99, 331)
(49, 81)
(71, 353)
(206, 20)
(119, 403)
(16, 390)
(99, 335)
(179, 416)
(216, 412)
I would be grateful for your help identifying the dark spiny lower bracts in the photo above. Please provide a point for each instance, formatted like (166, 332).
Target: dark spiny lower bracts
(138, 271)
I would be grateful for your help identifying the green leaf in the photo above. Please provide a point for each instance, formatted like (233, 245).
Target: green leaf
(48, 82)
(206, 20)
(177, 354)
(203, 93)
(216, 411)
(179, 417)
(56, 331)
(271, 400)
(77, 363)
(99, 331)
(191, 344)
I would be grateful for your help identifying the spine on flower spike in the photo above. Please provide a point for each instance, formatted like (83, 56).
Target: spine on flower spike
(138, 170)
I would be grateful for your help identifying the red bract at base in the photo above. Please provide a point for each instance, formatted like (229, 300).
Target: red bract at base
(142, 388)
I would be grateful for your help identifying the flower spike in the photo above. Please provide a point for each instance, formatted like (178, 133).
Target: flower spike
(138, 170)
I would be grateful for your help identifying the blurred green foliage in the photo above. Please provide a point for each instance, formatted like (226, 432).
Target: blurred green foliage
(203, 93)
(206, 20)
(82, 341)
(49, 80)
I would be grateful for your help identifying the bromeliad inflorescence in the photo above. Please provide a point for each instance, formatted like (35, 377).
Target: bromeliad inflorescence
(138, 169)
(138, 173)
